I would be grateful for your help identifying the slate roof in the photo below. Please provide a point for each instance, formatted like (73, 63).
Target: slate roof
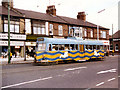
(46, 17)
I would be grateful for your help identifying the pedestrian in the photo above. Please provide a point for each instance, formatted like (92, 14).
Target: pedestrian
(10, 55)
(112, 52)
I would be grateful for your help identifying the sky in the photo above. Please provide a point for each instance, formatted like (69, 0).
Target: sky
(70, 8)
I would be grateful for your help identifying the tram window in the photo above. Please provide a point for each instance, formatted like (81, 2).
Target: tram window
(72, 47)
(86, 47)
(67, 47)
(61, 47)
(94, 47)
(55, 47)
(36, 47)
(101, 47)
(41, 47)
(98, 47)
(76, 47)
(90, 47)
(50, 47)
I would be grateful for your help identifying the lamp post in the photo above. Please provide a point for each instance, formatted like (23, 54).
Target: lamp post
(9, 32)
(112, 42)
(98, 25)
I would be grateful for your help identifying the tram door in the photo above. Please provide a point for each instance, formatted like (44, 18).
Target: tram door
(81, 48)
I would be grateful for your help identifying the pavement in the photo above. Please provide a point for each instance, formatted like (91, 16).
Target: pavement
(4, 61)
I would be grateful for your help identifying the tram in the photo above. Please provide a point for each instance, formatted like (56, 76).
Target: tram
(70, 49)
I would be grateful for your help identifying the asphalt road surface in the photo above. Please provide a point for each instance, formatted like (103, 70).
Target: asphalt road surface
(94, 74)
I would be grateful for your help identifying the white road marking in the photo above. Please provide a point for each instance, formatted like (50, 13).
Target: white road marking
(100, 84)
(111, 70)
(71, 69)
(26, 82)
(88, 89)
(111, 79)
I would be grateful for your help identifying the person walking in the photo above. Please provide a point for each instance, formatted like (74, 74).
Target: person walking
(10, 55)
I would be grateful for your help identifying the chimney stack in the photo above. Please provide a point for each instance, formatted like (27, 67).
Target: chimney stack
(51, 10)
(5, 3)
(81, 16)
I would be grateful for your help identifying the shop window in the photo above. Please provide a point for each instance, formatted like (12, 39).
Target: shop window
(111, 47)
(14, 26)
(116, 47)
(60, 30)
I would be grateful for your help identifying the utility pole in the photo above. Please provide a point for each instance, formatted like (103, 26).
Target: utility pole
(9, 32)
(98, 25)
(112, 42)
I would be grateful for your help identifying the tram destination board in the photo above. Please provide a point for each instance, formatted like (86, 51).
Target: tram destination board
(41, 39)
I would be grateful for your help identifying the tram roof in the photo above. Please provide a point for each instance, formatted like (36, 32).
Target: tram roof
(70, 41)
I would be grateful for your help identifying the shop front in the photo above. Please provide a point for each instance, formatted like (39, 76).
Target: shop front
(30, 49)
(17, 45)
(16, 48)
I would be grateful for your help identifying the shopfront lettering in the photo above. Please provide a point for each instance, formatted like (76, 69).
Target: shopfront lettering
(13, 36)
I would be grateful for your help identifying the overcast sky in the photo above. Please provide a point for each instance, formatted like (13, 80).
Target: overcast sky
(70, 8)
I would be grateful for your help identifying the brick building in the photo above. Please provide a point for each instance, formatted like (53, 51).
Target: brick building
(36, 24)
(17, 31)
(115, 42)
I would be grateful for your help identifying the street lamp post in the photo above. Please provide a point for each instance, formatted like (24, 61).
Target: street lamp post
(9, 32)
(98, 25)
(112, 42)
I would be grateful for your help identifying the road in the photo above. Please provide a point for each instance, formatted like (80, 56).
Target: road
(94, 74)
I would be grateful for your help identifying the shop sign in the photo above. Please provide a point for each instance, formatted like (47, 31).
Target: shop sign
(12, 43)
(13, 36)
(30, 43)
(106, 42)
(116, 39)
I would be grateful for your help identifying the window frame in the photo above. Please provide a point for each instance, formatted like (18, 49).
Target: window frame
(13, 23)
(91, 33)
(60, 30)
(51, 29)
(39, 28)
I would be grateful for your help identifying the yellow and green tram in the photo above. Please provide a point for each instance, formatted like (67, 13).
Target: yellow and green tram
(55, 50)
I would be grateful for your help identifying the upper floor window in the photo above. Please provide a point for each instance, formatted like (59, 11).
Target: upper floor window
(103, 34)
(39, 28)
(77, 33)
(91, 33)
(14, 26)
(71, 32)
(51, 29)
(85, 33)
(60, 30)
